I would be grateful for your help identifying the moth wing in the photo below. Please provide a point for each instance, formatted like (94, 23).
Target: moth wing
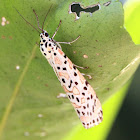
(79, 91)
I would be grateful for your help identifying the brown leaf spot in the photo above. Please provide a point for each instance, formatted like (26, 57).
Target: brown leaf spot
(3, 37)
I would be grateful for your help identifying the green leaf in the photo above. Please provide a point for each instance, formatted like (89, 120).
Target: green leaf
(32, 90)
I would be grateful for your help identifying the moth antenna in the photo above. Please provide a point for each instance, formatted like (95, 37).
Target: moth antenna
(46, 17)
(37, 19)
(26, 20)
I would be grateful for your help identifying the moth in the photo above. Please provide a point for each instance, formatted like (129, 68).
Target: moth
(78, 90)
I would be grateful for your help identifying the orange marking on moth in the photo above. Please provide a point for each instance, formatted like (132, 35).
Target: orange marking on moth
(70, 64)
(60, 52)
(82, 100)
(57, 61)
(75, 91)
(86, 118)
(65, 89)
(76, 106)
(81, 77)
(48, 49)
(64, 74)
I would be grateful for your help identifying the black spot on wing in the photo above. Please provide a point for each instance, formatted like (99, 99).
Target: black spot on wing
(46, 44)
(65, 56)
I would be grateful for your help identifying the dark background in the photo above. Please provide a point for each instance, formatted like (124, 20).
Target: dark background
(127, 124)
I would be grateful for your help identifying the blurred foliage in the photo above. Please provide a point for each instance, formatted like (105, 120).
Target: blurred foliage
(30, 92)
(132, 22)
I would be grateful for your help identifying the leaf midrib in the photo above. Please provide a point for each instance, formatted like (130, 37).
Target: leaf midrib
(15, 92)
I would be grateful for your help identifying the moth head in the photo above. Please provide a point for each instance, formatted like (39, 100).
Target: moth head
(44, 35)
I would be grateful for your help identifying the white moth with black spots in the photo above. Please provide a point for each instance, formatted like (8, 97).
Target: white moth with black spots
(79, 91)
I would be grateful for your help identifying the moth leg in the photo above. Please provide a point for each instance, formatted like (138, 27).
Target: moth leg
(80, 67)
(70, 42)
(62, 95)
(57, 29)
(89, 76)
